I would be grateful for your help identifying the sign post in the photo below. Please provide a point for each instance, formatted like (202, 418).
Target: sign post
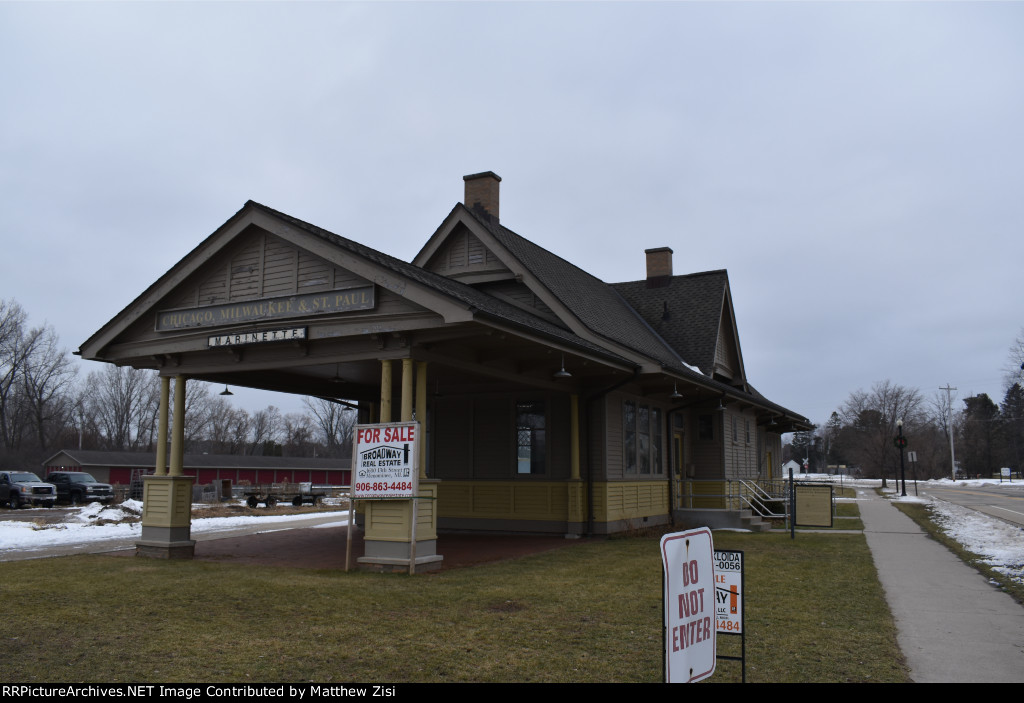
(912, 458)
(689, 605)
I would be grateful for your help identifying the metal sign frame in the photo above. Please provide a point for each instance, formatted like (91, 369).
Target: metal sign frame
(730, 589)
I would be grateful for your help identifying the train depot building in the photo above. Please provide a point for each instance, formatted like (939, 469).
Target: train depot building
(550, 401)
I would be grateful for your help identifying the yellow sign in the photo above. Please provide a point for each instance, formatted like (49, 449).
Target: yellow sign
(813, 505)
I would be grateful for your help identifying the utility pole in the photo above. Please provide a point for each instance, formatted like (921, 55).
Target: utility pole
(949, 404)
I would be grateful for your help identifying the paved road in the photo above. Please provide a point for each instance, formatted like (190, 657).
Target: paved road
(1003, 502)
(953, 626)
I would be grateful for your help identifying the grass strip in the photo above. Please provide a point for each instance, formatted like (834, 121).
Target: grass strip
(589, 612)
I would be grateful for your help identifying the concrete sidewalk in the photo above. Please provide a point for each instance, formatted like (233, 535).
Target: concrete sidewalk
(953, 626)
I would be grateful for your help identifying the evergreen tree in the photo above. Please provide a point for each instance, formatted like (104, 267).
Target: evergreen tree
(980, 438)
(1012, 413)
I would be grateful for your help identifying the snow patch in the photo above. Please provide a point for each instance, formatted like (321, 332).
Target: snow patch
(1000, 544)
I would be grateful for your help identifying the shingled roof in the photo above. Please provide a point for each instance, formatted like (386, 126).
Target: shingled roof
(596, 304)
(470, 296)
(624, 323)
(685, 311)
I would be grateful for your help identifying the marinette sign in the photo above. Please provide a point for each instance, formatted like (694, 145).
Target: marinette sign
(261, 337)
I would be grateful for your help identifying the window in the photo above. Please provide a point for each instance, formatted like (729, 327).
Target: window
(530, 433)
(705, 427)
(641, 439)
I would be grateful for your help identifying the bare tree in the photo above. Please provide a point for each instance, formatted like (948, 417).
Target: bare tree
(1013, 372)
(36, 386)
(265, 429)
(118, 402)
(48, 378)
(869, 419)
(13, 351)
(297, 435)
(198, 412)
(228, 427)
(334, 423)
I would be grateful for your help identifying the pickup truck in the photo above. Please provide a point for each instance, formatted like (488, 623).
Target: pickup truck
(18, 488)
(78, 487)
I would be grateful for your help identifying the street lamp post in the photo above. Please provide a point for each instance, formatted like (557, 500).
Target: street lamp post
(901, 442)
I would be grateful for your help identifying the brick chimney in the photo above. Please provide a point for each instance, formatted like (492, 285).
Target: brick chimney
(482, 194)
(659, 263)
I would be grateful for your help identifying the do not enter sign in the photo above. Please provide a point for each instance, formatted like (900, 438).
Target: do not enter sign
(690, 630)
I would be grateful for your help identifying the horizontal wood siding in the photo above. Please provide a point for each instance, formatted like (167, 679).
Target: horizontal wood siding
(391, 520)
(628, 500)
(707, 494)
(452, 427)
(509, 500)
(214, 289)
(492, 439)
(315, 274)
(613, 437)
(596, 438)
(475, 437)
(706, 455)
(740, 455)
(558, 437)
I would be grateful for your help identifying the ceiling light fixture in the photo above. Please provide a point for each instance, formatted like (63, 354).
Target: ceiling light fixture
(337, 377)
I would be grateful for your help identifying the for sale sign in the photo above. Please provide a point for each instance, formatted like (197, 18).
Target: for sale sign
(690, 629)
(729, 591)
(384, 461)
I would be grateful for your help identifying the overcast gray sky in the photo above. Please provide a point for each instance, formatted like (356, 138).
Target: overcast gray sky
(857, 167)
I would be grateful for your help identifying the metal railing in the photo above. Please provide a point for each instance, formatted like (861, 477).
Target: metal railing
(767, 498)
(764, 498)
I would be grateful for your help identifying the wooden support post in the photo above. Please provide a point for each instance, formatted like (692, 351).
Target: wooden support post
(385, 390)
(161, 437)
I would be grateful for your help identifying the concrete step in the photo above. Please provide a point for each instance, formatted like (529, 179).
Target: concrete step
(717, 518)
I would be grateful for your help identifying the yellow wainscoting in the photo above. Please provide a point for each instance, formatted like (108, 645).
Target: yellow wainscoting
(625, 500)
(707, 494)
(512, 500)
(390, 520)
(551, 500)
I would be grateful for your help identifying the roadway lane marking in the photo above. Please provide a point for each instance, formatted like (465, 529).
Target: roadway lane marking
(977, 493)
